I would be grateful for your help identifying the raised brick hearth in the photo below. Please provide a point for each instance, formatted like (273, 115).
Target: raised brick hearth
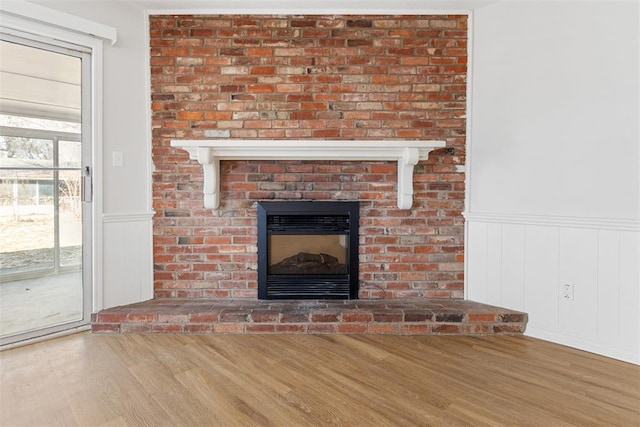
(235, 78)
(386, 316)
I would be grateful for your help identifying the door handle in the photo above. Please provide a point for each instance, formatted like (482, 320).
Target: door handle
(87, 185)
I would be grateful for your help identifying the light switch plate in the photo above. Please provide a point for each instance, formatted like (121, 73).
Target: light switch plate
(118, 159)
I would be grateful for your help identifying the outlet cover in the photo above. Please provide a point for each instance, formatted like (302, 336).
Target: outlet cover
(567, 291)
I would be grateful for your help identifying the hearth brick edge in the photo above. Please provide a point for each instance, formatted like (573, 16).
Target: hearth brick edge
(390, 316)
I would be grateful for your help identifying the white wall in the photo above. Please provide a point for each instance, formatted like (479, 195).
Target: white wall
(556, 109)
(554, 162)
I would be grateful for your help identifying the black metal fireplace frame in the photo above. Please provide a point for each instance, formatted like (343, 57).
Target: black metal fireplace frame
(316, 286)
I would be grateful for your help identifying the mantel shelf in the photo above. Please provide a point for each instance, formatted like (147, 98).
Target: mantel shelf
(209, 152)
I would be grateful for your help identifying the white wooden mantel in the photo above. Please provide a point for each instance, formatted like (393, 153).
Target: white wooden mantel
(209, 152)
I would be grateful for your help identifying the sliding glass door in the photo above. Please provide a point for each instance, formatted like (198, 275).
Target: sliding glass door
(45, 188)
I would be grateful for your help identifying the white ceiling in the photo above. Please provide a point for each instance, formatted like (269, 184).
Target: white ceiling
(299, 6)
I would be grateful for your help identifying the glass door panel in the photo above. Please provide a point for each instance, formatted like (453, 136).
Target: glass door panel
(70, 218)
(43, 217)
(26, 225)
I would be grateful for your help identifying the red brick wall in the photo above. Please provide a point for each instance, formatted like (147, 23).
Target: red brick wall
(308, 77)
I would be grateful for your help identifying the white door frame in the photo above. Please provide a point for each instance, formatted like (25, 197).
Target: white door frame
(37, 31)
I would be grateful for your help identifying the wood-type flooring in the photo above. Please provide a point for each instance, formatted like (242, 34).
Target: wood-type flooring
(313, 380)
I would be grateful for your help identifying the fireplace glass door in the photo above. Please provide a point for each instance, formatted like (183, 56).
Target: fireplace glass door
(307, 250)
(305, 254)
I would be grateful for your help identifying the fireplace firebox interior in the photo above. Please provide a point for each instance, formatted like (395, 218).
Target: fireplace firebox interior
(308, 250)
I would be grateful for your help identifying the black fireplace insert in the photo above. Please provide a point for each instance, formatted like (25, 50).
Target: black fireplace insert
(308, 250)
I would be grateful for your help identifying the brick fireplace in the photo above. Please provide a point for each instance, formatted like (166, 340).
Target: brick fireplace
(315, 77)
(308, 77)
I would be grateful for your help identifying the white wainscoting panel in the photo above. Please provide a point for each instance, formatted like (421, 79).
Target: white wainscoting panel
(513, 271)
(127, 259)
(494, 259)
(521, 263)
(608, 293)
(541, 275)
(477, 261)
(578, 264)
(629, 289)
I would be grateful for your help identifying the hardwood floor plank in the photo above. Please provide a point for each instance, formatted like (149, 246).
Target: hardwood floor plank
(577, 381)
(236, 370)
(441, 380)
(309, 380)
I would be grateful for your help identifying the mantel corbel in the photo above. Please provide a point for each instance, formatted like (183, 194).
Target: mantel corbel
(209, 153)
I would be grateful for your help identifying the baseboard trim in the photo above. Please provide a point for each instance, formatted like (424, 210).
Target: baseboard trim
(628, 356)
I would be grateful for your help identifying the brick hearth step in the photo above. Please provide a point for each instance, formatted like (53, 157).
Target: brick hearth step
(384, 316)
